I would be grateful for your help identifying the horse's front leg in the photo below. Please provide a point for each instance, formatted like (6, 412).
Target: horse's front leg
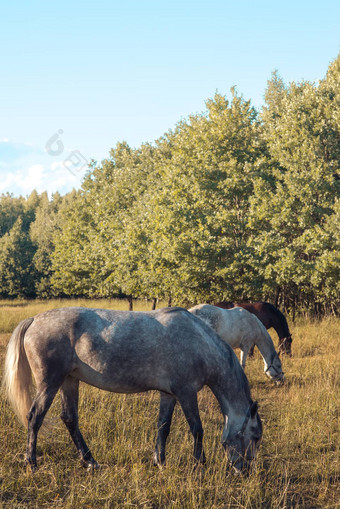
(166, 408)
(188, 401)
(243, 356)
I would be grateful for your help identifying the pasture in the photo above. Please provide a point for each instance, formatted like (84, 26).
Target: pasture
(298, 463)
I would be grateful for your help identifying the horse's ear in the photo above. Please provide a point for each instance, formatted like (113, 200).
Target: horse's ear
(253, 409)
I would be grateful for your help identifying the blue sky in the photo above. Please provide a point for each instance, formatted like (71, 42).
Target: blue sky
(93, 73)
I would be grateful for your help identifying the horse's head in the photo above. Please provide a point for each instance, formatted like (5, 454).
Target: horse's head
(242, 438)
(285, 345)
(274, 369)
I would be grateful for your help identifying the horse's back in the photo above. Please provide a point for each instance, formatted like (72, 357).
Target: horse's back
(241, 324)
(266, 312)
(123, 351)
(234, 325)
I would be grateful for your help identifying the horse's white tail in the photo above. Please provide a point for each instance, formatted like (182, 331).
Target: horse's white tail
(17, 378)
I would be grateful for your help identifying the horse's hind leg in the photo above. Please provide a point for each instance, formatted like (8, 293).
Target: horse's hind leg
(69, 393)
(188, 402)
(243, 357)
(166, 408)
(41, 404)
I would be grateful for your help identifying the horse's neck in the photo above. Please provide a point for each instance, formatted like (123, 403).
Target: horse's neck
(230, 387)
(281, 331)
(229, 329)
(266, 346)
(230, 406)
(280, 325)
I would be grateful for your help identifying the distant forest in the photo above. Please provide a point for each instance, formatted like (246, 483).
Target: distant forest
(232, 204)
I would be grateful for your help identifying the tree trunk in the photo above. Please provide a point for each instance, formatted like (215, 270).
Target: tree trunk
(154, 303)
(294, 309)
(169, 302)
(130, 303)
(277, 296)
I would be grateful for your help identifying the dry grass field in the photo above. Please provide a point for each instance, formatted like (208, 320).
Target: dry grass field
(298, 463)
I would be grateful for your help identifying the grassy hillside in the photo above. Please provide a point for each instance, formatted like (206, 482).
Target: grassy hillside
(298, 463)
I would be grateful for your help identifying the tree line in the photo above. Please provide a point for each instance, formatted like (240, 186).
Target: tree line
(232, 204)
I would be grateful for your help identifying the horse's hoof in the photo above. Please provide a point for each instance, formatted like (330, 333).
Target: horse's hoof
(91, 467)
(200, 462)
(157, 462)
(160, 466)
(31, 468)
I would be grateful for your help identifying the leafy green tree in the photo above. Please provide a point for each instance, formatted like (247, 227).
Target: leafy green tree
(17, 274)
(199, 247)
(229, 205)
(17, 271)
(291, 211)
(42, 232)
(72, 264)
(10, 209)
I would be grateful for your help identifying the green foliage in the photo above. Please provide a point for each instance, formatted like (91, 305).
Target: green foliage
(72, 258)
(16, 271)
(198, 229)
(26, 243)
(10, 209)
(42, 232)
(295, 220)
(231, 205)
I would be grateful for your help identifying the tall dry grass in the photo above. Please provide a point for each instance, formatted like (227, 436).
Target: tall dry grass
(12, 312)
(297, 466)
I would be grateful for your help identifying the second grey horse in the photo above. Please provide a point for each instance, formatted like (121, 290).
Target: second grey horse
(241, 329)
(168, 350)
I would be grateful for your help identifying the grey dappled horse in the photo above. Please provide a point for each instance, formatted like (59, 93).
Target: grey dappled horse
(270, 316)
(241, 329)
(168, 350)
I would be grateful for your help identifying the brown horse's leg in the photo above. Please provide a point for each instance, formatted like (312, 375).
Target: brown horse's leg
(188, 402)
(69, 393)
(41, 404)
(166, 408)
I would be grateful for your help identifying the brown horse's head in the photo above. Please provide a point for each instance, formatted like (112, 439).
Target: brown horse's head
(285, 345)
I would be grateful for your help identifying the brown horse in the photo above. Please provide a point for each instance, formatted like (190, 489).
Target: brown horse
(270, 316)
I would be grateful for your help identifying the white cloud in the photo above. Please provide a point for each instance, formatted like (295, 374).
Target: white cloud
(24, 168)
(42, 178)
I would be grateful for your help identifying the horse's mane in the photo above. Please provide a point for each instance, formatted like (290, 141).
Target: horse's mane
(228, 354)
(277, 313)
(173, 309)
(225, 349)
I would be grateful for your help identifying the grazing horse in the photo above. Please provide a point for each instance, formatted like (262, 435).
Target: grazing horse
(241, 329)
(270, 316)
(168, 350)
